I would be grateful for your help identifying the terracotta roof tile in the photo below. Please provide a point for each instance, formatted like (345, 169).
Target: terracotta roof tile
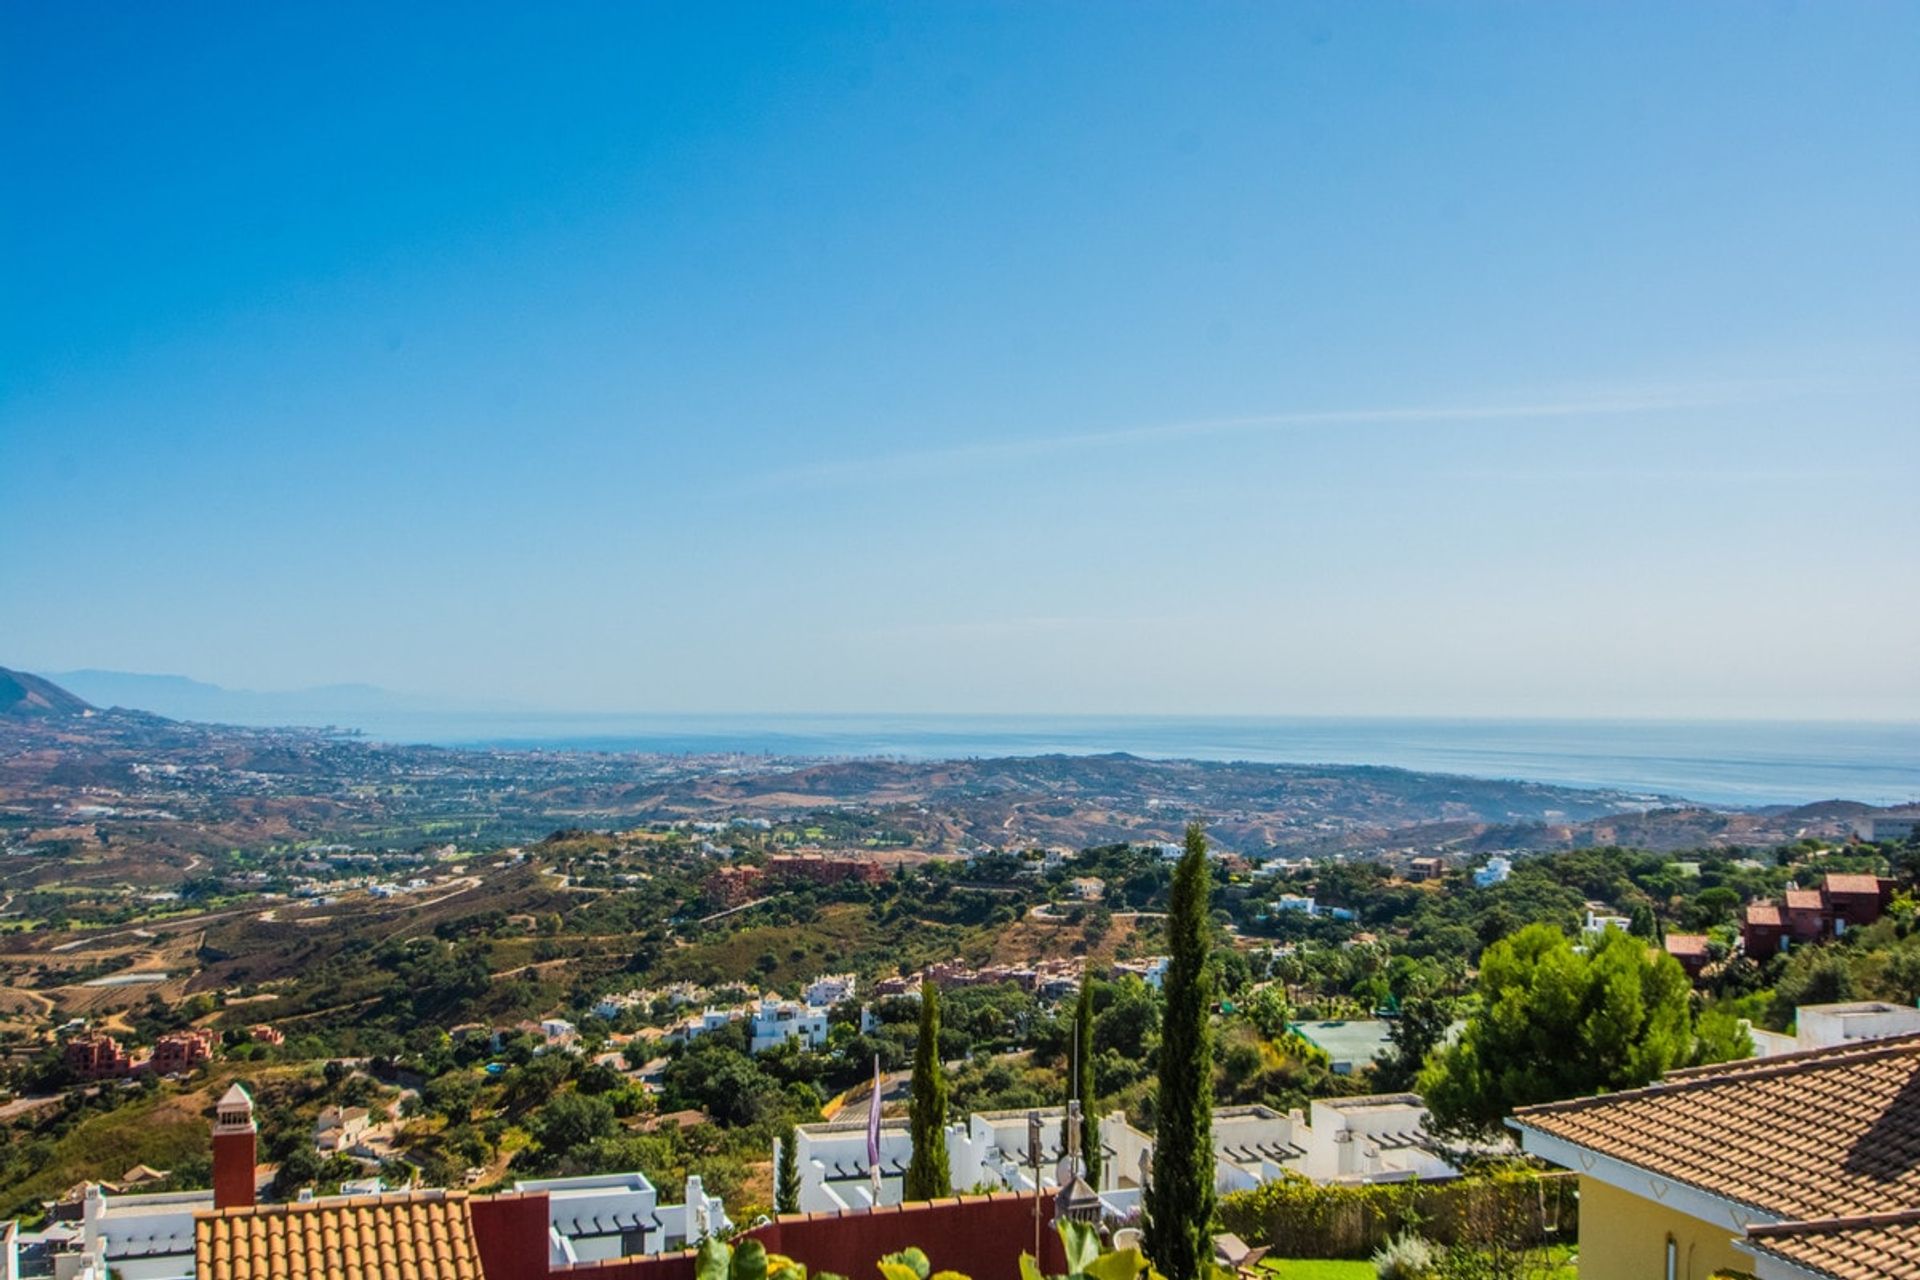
(1801, 1135)
(404, 1236)
(1805, 900)
(1764, 913)
(1838, 883)
(1879, 1246)
(1686, 944)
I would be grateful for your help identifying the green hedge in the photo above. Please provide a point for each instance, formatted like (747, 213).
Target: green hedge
(1298, 1218)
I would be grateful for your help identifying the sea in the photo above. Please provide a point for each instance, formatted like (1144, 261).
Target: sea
(1730, 763)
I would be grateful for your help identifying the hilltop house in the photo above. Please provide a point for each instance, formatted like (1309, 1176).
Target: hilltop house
(1495, 872)
(776, 1021)
(830, 989)
(340, 1129)
(1797, 1167)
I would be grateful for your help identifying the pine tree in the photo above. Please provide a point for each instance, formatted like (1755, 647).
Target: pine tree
(1179, 1199)
(787, 1187)
(1558, 1023)
(1083, 1084)
(927, 1173)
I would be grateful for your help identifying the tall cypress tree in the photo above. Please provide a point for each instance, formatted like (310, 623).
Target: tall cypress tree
(1083, 1083)
(1179, 1200)
(927, 1173)
(786, 1195)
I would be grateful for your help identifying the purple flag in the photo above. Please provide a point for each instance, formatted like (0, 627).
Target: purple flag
(873, 1119)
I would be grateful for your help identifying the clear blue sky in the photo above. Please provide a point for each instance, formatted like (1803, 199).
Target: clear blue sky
(1438, 359)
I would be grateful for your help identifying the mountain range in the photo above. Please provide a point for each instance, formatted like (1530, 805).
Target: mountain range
(182, 698)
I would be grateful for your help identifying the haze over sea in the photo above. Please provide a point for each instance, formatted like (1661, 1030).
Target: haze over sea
(1725, 763)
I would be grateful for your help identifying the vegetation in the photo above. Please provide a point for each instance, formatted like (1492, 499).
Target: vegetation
(1554, 1023)
(1506, 1206)
(586, 913)
(1179, 1198)
(787, 1176)
(1087, 1261)
(928, 1174)
(1083, 1083)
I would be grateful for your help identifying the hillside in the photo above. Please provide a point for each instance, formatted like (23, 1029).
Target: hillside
(28, 697)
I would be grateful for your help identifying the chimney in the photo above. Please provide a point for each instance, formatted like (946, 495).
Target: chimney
(234, 1137)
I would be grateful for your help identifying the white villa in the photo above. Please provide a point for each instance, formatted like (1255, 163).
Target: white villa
(777, 1021)
(830, 989)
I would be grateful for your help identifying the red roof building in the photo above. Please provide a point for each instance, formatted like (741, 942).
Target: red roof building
(1763, 931)
(1806, 915)
(1855, 901)
(182, 1051)
(96, 1057)
(1690, 949)
(1841, 902)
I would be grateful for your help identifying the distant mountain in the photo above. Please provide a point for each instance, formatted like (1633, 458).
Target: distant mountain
(181, 698)
(29, 697)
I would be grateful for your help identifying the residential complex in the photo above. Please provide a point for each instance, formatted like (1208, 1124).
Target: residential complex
(1381, 1138)
(98, 1056)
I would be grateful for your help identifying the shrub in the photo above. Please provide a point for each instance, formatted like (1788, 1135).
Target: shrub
(1405, 1257)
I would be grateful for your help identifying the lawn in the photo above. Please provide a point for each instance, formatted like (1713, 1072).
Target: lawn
(1341, 1269)
(1317, 1269)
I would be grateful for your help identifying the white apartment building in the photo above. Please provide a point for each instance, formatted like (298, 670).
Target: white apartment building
(619, 1215)
(830, 989)
(1826, 1026)
(777, 1021)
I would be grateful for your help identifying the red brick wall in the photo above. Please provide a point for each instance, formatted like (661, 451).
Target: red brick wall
(233, 1157)
(510, 1232)
(978, 1236)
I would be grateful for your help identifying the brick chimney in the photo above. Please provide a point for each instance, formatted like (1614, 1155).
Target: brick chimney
(234, 1139)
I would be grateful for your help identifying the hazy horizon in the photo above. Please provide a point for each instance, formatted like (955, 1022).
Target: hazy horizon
(459, 705)
(1320, 360)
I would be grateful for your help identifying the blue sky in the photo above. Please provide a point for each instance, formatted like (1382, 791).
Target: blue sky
(1435, 359)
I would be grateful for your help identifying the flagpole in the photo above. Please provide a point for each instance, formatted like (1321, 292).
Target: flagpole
(873, 1135)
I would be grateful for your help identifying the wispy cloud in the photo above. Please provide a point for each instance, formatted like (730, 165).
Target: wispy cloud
(1701, 475)
(907, 464)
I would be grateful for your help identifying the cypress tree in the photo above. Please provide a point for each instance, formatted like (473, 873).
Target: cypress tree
(1083, 1065)
(786, 1195)
(927, 1173)
(1179, 1199)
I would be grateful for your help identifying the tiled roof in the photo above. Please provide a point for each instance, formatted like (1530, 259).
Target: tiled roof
(1800, 1135)
(1879, 1246)
(1686, 944)
(417, 1236)
(1837, 883)
(1764, 913)
(1804, 900)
